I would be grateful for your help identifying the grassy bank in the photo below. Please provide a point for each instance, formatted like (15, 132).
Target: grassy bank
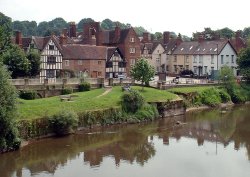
(84, 101)
(186, 90)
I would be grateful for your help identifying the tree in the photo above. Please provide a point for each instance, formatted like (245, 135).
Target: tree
(5, 33)
(243, 61)
(158, 36)
(81, 23)
(108, 24)
(139, 30)
(8, 132)
(34, 59)
(226, 32)
(16, 62)
(142, 71)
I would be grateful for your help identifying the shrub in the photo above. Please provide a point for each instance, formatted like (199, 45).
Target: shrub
(132, 101)
(66, 91)
(147, 112)
(63, 122)
(85, 86)
(210, 97)
(225, 97)
(237, 96)
(187, 72)
(28, 94)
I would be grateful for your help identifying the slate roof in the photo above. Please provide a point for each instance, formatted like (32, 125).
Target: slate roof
(202, 48)
(78, 51)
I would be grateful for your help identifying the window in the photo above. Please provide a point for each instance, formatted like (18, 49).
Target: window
(132, 39)
(51, 47)
(99, 73)
(187, 67)
(50, 73)
(175, 68)
(212, 59)
(205, 69)
(99, 62)
(157, 60)
(175, 58)
(79, 62)
(200, 58)
(195, 69)
(212, 69)
(167, 67)
(132, 61)
(232, 58)
(187, 58)
(132, 50)
(227, 59)
(51, 60)
(222, 59)
(66, 62)
(195, 58)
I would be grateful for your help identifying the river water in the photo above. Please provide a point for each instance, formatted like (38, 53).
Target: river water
(212, 143)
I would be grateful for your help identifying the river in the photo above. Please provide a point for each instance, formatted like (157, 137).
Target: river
(214, 143)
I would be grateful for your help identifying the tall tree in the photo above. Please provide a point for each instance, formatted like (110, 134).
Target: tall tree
(139, 30)
(142, 71)
(5, 33)
(34, 59)
(226, 32)
(243, 61)
(8, 132)
(16, 62)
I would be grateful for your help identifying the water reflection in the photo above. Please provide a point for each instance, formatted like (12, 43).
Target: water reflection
(133, 144)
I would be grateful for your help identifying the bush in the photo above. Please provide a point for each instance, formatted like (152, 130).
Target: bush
(187, 72)
(132, 101)
(64, 122)
(210, 97)
(28, 94)
(237, 96)
(66, 91)
(147, 112)
(225, 97)
(85, 86)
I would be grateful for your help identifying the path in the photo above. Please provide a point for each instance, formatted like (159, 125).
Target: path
(108, 89)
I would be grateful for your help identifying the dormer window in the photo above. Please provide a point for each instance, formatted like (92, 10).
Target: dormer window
(51, 47)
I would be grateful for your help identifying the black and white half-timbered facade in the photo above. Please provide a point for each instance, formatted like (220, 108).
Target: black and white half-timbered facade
(51, 61)
(115, 63)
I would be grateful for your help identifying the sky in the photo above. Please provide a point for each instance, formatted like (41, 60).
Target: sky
(179, 16)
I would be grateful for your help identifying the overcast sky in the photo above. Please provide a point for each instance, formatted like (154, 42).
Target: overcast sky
(180, 16)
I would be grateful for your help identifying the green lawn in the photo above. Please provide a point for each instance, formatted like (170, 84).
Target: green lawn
(189, 89)
(31, 109)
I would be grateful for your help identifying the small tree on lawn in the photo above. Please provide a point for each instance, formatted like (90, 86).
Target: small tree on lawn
(142, 71)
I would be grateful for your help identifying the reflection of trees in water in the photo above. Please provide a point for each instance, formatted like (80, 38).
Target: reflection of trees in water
(130, 143)
(132, 146)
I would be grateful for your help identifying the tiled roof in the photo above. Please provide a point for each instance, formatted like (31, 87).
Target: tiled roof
(170, 46)
(78, 51)
(109, 36)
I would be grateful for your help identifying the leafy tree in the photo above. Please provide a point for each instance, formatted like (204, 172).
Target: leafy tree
(158, 36)
(8, 132)
(139, 30)
(5, 33)
(142, 71)
(243, 61)
(226, 32)
(26, 27)
(81, 23)
(227, 77)
(246, 32)
(42, 28)
(34, 59)
(108, 24)
(16, 61)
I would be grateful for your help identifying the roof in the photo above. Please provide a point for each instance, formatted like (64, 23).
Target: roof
(201, 48)
(111, 51)
(170, 46)
(78, 51)
(238, 43)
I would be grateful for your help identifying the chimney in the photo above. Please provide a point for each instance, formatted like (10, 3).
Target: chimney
(200, 38)
(92, 39)
(146, 37)
(72, 29)
(62, 39)
(179, 40)
(19, 38)
(166, 37)
(117, 32)
(65, 32)
(238, 34)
